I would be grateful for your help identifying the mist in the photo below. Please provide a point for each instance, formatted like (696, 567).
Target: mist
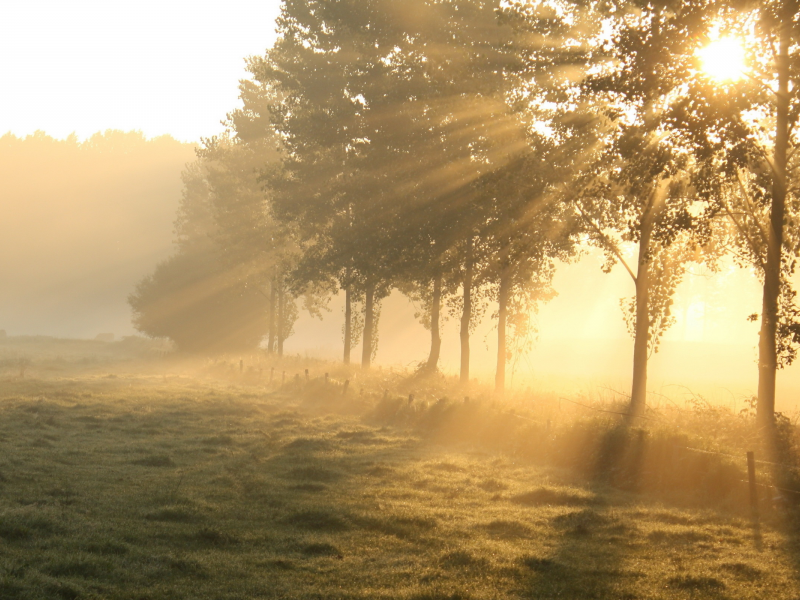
(79, 239)
(83, 221)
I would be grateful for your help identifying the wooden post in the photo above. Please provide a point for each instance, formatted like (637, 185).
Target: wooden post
(751, 475)
(346, 385)
(410, 399)
(306, 374)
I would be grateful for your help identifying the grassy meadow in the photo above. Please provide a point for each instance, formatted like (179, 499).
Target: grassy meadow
(136, 476)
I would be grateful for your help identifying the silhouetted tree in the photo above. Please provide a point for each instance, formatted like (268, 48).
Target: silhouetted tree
(196, 298)
(744, 132)
(527, 230)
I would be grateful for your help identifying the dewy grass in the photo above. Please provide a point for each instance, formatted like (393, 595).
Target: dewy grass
(133, 487)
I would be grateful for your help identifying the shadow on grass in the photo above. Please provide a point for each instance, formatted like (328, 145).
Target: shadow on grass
(599, 552)
(782, 450)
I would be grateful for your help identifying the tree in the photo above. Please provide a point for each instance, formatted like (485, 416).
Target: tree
(745, 133)
(326, 82)
(641, 182)
(527, 229)
(261, 250)
(195, 298)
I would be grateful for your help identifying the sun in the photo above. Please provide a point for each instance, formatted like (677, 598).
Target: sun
(723, 59)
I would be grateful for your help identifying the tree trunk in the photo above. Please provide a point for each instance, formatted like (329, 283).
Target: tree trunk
(272, 306)
(502, 316)
(366, 350)
(348, 323)
(767, 346)
(281, 301)
(436, 337)
(642, 326)
(466, 313)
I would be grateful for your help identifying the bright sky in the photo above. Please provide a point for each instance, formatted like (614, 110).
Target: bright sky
(167, 66)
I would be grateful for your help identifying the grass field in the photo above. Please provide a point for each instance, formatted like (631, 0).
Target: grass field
(143, 486)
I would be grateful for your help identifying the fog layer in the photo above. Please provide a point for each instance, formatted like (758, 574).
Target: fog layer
(82, 223)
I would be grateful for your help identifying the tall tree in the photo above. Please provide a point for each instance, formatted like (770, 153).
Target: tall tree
(251, 242)
(527, 230)
(320, 72)
(637, 183)
(744, 129)
(197, 298)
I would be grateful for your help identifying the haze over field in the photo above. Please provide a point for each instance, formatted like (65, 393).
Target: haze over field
(120, 195)
(85, 221)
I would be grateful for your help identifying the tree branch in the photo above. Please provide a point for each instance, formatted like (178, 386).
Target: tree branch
(608, 243)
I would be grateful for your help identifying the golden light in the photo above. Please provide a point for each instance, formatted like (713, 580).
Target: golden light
(723, 59)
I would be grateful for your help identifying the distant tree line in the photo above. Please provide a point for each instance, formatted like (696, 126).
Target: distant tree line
(456, 150)
(82, 221)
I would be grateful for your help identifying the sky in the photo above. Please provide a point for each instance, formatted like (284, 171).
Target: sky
(161, 67)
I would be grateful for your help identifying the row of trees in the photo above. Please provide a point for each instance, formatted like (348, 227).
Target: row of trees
(457, 149)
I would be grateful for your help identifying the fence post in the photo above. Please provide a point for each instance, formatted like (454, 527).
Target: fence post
(751, 476)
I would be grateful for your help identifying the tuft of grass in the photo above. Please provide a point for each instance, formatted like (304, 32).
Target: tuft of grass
(537, 563)
(687, 536)
(304, 444)
(361, 436)
(742, 571)
(214, 537)
(25, 525)
(317, 520)
(462, 558)
(310, 487)
(320, 549)
(154, 460)
(402, 527)
(581, 521)
(695, 584)
(547, 496)
(314, 473)
(437, 594)
(108, 548)
(218, 440)
(173, 514)
(85, 567)
(64, 591)
(508, 529)
(492, 485)
(381, 471)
